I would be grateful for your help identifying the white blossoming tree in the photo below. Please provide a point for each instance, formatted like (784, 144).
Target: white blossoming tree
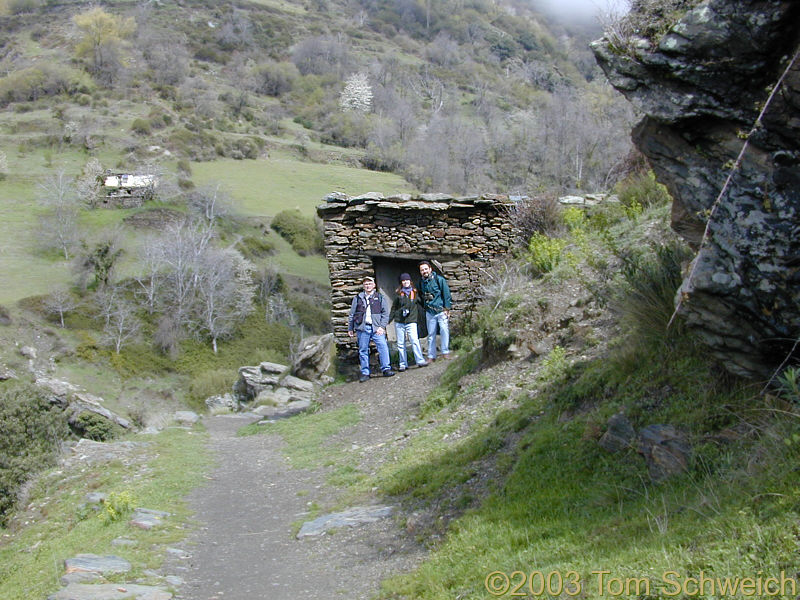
(357, 94)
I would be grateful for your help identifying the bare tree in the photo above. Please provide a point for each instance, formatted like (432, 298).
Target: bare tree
(268, 282)
(89, 183)
(122, 325)
(225, 293)
(428, 88)
(59, 224)
(59, 302)
(277, 310)
(321, 55)
(210, 202)
(152, 275)
(181, 250)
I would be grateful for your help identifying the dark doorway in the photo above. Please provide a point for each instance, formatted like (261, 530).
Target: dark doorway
(387, 271)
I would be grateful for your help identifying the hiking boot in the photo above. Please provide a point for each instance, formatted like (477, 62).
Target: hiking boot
(363, 378)
(388, 373)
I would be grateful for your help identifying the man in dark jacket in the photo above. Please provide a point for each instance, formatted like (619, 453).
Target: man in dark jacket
(436, 300)
(369, 316)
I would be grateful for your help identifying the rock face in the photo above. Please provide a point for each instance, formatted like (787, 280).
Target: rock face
(701, 86)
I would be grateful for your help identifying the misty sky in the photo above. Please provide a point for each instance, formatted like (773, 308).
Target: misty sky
(581, 9)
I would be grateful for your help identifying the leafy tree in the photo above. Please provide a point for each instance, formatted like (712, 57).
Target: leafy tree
(103, 41)
(99, 259)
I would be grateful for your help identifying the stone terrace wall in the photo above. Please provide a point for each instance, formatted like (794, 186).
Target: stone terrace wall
(463, 234)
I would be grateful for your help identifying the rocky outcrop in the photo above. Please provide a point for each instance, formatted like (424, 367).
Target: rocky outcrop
(665, 450)
(269, 391)
(701, 86)
(75, 402)
(314, 357)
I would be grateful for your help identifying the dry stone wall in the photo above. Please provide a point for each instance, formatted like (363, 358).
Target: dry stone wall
(363, 233)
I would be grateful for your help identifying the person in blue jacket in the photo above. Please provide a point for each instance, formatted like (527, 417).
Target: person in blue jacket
(369, 316)
(437, 302)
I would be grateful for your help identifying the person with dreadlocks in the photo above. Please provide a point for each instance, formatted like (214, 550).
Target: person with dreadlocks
(405, 313)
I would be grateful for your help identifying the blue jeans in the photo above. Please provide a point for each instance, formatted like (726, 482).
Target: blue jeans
(364, 338)
(410, 330)
(438, 322)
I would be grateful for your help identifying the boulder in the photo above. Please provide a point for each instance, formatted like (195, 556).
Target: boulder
(665, 450)
(221, 402)
(619, 434)
(252, 381)
(314, 358)
(297, 384)
(186, 417)
(83, 402)
(58, 391)
(701, 87)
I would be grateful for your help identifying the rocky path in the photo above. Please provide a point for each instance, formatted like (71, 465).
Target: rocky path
(245, 547)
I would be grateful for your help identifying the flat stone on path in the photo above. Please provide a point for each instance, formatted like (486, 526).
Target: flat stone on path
(353, 517)
(97, 564)
(145, 518)
(110, 591)
(273, 413)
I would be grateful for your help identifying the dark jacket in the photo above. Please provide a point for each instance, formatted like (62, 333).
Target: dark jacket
(358, 308)
(435, 293)
(403, 303)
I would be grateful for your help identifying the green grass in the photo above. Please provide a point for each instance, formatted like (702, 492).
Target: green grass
(23, 268)
(31, 561)
(307, 436)
(567, 505)
(266, 187)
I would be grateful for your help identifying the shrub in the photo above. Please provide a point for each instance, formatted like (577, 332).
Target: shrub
(210, 383)
(315, 317)
(116, 507)
(536, 215)
(95, 427)
(275, 78)
(545, 252)
(647, 300)
(141, 127)
(301, 232)
(42, 80)
(641, 190)
(254, 247)
(32, 430)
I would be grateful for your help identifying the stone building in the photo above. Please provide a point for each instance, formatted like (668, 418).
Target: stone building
(386, 236)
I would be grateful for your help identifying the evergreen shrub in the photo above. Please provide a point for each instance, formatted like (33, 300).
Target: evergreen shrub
(300, 231)
(32, 431)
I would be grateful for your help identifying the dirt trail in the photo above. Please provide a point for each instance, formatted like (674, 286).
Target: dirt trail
(244, 548)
